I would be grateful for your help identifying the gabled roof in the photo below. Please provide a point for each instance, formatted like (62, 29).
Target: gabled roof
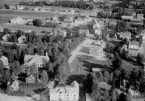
(35, 59)
(125, 34)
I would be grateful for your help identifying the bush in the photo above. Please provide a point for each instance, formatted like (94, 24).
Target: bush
(7, 6)
(37, 22)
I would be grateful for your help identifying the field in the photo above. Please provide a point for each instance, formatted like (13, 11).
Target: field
(26, 14)
(26, 28)
(12, 1)
(85, 50)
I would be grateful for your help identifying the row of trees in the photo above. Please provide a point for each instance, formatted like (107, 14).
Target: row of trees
(37, 3)
(73, 4)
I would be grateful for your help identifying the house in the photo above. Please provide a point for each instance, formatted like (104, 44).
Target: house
(19, 20)
(20, 7)
(6, 37)
(65, 93)
(37, 60)
(83, 31)
(104, 85)
(133, 48)
(60, 31)
(12, 7)
(96, 69)
(22, 39)
(134, 45)
(125, 35)
(127, 17)
(111, 37)
(136, 96)
(4, 59)
(1, 29)
(15, 86)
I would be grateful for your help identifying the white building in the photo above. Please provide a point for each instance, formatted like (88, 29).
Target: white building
(6, 37)
(60, 31)
(37, 60)
(65, 93)
(125, 35)
(22, 39)
(20, 7)
(4, 59)
(134, 45)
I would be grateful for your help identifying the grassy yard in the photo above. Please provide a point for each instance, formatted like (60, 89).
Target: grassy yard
(85, 50)
(26, 27)
(10, 1)
(4, 19)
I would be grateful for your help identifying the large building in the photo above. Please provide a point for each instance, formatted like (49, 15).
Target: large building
(65, 93)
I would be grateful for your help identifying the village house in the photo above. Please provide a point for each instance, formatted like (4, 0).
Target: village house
(20, 7)
(60, 31)
(133, 48)
(134, 45)
(20, 20)
(6, 37)
(37, 60)
(125, 35)
(4, 59)
(13, 7)
(65, 93)
(135, 95)
(22, 39)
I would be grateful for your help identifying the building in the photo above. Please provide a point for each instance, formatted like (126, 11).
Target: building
(60, 31)
(37, 60)
(22, 39)
(12, 7)
(6, 37)
(134, 45)
(125, 35)
(83, 31)
(136, 96)
(20, 7)
(133, 48)
(65, 93)
(20, 20)
(127, 17)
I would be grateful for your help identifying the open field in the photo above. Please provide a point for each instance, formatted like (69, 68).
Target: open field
(10, 1)
(13, 1)
(84, 50)
(29, 13)
(26, 27)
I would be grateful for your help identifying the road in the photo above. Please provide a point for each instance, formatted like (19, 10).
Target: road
(5, 97)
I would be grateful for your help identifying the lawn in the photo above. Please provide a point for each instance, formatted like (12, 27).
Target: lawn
(26, 28)
(84, 50)
(4, 19)
(10, 1)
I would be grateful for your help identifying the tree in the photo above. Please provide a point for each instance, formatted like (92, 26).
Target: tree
(37, 22)
(7, 6)
(88, 83)
(43, 76)
(140, 40)
(121, 26)
(62, 73)
(106, 76)
(140, 58)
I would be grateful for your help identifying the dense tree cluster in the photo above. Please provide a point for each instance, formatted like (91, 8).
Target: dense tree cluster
(73, 4)
(37, 3)
(58, 48)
